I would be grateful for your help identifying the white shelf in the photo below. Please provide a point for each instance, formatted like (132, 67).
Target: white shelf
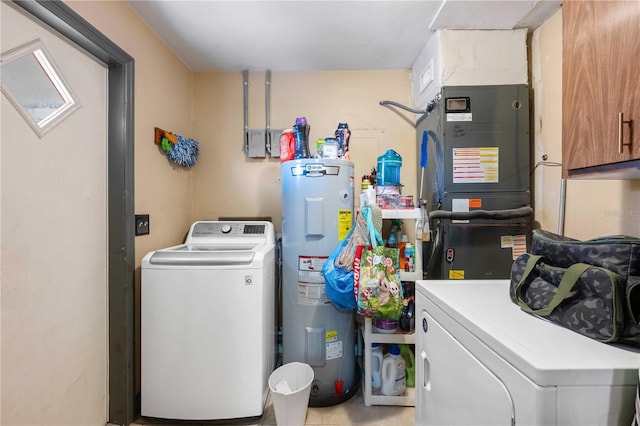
(406, 400)
(412, 276)
(400, 213)
(370, 336)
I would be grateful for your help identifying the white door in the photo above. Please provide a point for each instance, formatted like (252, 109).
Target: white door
(452, 386)
(54, 247)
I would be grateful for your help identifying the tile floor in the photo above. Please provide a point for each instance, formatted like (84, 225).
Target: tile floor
(351, 412)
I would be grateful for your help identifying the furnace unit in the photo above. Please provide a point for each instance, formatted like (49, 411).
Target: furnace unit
(473, 178)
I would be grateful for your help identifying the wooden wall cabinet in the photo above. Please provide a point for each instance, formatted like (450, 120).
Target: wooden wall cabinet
(601, 87)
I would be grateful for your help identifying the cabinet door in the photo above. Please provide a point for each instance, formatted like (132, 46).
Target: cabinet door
(600, 79)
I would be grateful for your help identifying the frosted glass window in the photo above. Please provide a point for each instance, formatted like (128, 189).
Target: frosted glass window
(33, 84)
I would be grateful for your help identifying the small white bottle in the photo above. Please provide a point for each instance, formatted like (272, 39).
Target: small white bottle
(376, 366)
(393, 373)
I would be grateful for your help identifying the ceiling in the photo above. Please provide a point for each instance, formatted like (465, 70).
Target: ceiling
(312, 35)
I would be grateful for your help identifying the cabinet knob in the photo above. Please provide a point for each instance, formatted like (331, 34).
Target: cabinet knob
(621, 123)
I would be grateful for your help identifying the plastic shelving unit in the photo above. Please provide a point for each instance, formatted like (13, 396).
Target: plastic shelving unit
(369, 335)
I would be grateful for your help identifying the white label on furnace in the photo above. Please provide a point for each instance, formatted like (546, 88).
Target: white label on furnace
(459, 116)
(519, 246)
(475, 165)
(334, 350)
(460, 205)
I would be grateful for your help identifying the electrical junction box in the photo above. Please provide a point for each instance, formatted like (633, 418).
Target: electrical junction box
(273, 144)
(256, 143)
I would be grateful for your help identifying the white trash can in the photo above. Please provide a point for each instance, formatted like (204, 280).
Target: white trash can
(290, 387)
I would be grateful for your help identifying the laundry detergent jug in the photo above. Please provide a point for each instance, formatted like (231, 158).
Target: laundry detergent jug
(393, 373)
(376, 366)
(409, 361)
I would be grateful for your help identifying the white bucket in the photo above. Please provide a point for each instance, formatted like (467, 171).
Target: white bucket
(290, 387)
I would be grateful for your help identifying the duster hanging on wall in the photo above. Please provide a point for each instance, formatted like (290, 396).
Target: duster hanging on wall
(178, 149)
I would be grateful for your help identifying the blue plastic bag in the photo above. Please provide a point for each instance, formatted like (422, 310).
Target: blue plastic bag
(339, 282)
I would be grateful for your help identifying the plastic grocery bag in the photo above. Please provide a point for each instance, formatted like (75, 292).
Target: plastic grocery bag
(338, 282)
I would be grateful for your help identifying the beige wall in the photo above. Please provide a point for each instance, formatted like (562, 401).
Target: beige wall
(163, 86)
(593, 208)
(227, 183)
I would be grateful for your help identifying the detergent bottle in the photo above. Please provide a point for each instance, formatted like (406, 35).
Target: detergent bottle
(408, 258)
(393, 373)
(409, 361)
(401, 246)
(376, 366)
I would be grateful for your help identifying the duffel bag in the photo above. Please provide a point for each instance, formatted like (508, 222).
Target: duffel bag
(591, 287)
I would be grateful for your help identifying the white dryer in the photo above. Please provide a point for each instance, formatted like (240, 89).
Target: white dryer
(208, 323)
(481, 360)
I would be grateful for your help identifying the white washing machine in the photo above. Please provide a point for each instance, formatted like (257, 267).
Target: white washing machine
(208, 323)
(481, 360)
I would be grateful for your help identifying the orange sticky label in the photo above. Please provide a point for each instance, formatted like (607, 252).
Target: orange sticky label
(475, 203)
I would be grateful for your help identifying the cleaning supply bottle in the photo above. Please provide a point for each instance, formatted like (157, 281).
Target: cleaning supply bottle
(401, 246)
(408, 258)
(409, 362)
(301, 133)
(376, 366)
(393, 373)
(392, 241)
(319, 146)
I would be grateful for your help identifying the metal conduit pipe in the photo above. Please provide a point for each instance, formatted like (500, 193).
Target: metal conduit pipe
(267, 102)
(245, 92)
(563, 199)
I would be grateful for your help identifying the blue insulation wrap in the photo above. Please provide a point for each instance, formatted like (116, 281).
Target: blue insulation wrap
(424, 153)
(184, 152)
(439, 163)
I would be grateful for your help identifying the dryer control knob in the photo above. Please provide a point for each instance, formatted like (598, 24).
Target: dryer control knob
(226, 228)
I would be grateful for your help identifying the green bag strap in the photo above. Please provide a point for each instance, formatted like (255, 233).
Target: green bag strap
(568, 281)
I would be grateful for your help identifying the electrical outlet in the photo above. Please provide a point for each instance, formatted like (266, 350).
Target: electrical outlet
(142, 224)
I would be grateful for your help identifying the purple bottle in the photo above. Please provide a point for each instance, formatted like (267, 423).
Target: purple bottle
(343, 134)
(301, 133)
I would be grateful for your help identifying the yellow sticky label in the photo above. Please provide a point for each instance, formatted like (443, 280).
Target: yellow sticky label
(331, 336)
(456, 274)
(345, 222)
(506, 241)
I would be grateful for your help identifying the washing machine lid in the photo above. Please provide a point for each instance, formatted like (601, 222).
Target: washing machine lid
(548, 354)
(216, 243)
(189, 254)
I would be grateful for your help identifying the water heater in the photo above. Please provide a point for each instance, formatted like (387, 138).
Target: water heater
(317, 213)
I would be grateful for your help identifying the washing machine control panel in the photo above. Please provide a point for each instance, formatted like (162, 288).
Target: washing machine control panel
(224, 228)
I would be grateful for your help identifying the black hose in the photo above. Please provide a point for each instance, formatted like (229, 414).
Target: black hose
(482, 214)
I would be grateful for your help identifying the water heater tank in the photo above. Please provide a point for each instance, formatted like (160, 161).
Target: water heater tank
(317, 213)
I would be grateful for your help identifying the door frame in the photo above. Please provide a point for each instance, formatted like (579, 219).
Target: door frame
(120, 199)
